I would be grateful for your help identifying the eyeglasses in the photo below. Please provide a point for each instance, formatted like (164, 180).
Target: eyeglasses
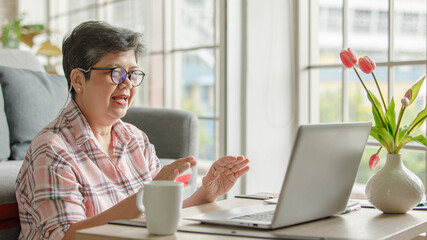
(119, 74)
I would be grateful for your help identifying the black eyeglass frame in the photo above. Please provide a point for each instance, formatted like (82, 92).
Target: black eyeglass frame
(128, 74)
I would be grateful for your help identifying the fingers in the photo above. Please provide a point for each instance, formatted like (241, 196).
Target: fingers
(241, 172)
(183, 164)
(189, 160)
(224, 161)
(229, 161)
(182, 168)
(223, 174)
(176, 168)
(230, 165)
(175, 174)
(239, 165)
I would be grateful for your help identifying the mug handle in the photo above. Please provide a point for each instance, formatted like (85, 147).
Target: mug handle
(139, 200)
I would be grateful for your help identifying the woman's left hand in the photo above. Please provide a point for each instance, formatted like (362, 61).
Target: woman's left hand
(223, 174)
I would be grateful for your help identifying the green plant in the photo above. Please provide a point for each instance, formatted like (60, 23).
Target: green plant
(15, 32)
(387, 130)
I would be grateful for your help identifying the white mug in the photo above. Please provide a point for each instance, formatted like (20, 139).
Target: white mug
(161, 202)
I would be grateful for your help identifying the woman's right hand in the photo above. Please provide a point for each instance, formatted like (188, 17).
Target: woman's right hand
(173, 170)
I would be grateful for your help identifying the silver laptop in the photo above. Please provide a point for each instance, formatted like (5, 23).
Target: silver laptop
(318, 181)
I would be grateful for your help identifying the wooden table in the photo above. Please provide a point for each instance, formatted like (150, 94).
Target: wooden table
(362, 224)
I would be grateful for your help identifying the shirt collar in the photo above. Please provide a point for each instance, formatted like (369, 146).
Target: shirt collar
(122, 132)
(82, 130)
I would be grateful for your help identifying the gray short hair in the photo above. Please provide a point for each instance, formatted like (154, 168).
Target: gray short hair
(92, 40)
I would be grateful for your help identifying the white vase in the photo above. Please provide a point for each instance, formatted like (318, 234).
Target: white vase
(394, 189)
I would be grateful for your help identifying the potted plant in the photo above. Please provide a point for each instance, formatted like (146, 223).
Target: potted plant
(393, 189)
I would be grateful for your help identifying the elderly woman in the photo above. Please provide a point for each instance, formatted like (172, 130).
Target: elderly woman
(84, 168)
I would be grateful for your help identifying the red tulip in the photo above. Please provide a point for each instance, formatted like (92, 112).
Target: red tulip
(366, 64)
(348, 58)
(408, 94)
(374, 160)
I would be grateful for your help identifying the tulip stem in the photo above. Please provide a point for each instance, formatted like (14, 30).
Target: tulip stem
(361, 80)
(370, 97)
(402, 110)
(379, 90)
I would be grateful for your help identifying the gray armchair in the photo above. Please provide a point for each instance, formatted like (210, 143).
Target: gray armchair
(174, 133)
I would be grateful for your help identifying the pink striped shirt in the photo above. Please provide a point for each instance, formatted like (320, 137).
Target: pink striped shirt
(67, 177)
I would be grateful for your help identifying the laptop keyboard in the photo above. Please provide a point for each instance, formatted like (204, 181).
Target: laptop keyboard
(262, 216)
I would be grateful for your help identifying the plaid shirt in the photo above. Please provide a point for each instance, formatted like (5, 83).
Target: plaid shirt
(66, 176)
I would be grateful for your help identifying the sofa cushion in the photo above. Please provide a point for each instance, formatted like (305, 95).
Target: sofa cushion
(9, 217)
(4, 132)
(18, 58)
(44, 93)
(8, 206)
(9, 171)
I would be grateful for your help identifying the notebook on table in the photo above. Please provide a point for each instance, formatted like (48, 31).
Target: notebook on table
(318, 181)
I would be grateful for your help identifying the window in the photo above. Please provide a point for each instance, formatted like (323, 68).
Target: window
(182, 63)
(393, 33)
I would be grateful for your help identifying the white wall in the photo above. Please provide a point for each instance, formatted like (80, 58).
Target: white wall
(271, 116)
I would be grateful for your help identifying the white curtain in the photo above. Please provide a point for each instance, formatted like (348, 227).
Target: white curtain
(271, 92)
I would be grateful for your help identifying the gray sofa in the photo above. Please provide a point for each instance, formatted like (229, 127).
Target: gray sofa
(31, 98)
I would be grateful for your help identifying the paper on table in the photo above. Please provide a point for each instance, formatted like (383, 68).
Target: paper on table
(367, 204)
(352, 205)
(272, 200)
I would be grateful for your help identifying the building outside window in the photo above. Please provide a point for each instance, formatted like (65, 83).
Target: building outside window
(393, 33)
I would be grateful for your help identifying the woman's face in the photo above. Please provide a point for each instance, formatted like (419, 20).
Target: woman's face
(101, 100)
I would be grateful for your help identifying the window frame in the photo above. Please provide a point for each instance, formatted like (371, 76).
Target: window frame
(308, 110)
(171, 90)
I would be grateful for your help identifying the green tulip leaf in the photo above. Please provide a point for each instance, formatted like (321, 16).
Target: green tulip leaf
(383, 136)
(418, 121)
(377, 111)
(403, 142)
(376, 119)
(415, 89)
(421, 139)
(389, 144)
(401, 134)
(390, 116)
(375, 134)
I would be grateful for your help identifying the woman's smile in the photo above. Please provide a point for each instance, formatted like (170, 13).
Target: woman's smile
(121, 99)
